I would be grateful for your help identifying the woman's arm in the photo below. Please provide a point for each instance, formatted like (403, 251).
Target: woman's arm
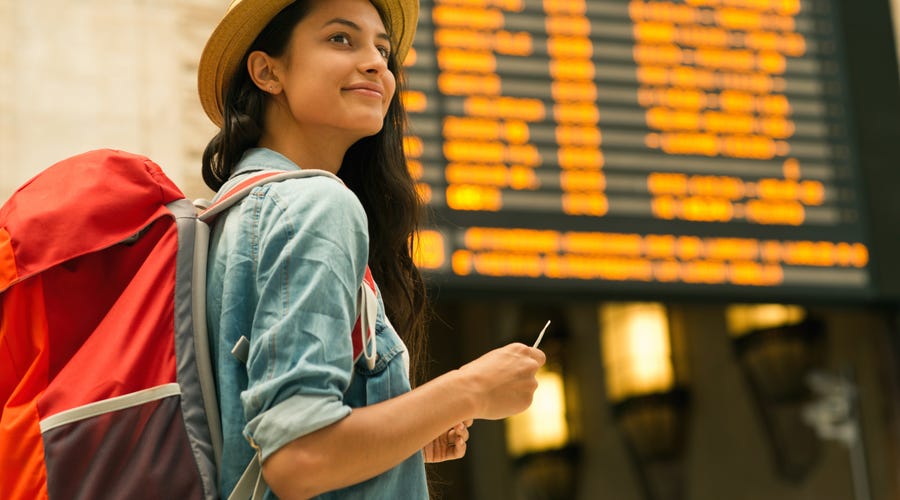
(373, 439)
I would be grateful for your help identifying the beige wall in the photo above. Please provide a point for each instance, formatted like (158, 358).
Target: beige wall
(75, 76)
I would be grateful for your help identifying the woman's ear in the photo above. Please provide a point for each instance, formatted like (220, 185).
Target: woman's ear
(263, 71)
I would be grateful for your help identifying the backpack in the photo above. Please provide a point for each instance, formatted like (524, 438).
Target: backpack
(106, 382)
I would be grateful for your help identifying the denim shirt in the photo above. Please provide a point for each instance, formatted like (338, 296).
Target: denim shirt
(284, 269)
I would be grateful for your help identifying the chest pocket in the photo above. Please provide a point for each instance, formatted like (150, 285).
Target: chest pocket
(388, 377)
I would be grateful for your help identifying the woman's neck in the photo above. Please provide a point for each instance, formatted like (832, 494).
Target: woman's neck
(320, 152)
(308, 146)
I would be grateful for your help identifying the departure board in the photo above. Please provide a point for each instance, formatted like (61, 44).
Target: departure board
(659, 146)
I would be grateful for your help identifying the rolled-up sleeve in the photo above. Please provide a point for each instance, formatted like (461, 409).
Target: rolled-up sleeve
(311, 249)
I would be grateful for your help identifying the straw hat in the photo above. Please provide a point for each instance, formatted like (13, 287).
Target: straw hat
(243, 22)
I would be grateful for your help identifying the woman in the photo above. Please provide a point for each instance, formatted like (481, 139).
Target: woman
(311, 85)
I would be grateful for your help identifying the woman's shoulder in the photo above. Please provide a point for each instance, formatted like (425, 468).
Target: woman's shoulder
(312, 189)
(321, 192)
(319, 203)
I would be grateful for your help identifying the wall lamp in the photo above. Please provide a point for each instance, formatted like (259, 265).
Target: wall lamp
(777, 346)
(646, 385)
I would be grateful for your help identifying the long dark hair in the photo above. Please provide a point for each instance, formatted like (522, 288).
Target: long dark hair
(374, 168)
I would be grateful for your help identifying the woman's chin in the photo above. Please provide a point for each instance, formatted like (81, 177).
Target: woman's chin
(369, 131)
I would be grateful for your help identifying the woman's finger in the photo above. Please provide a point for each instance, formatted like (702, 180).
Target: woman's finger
(462, 432)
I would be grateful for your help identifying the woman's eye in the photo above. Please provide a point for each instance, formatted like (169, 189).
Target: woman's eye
(340, 38)
(385, 52)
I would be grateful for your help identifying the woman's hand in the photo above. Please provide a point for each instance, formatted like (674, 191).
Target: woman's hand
(503, 383)
(450, 445)
(504, 380)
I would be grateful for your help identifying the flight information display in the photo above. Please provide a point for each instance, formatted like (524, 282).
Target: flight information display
(635, 145)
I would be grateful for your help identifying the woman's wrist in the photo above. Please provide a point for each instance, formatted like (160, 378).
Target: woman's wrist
(468, 391)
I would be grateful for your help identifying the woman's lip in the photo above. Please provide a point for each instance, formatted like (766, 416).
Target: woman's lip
(368, 90)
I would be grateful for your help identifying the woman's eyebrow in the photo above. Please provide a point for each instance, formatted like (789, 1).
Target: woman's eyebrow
(354, 26)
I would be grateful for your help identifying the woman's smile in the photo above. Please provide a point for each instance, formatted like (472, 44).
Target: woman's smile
(366, 89)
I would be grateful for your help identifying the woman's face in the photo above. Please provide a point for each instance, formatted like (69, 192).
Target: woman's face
(335, 76)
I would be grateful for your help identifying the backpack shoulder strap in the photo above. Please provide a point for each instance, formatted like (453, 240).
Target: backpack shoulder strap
(243, 188)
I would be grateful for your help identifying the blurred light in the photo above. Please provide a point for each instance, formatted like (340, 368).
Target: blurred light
(745, 318)
(542, 426)
(428, 249)
(636, 349)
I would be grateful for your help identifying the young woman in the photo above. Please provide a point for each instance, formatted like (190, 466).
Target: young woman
(313, 84)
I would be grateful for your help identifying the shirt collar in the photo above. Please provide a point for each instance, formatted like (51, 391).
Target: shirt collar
(263, 159)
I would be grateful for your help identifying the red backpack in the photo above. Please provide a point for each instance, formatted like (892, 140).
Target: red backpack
(106, 385)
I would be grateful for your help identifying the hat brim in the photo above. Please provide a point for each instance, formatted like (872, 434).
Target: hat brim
(243, 22)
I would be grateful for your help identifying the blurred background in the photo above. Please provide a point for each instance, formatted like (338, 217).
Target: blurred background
(699, 194)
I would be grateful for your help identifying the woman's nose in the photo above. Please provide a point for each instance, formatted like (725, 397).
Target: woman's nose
(374, 61)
